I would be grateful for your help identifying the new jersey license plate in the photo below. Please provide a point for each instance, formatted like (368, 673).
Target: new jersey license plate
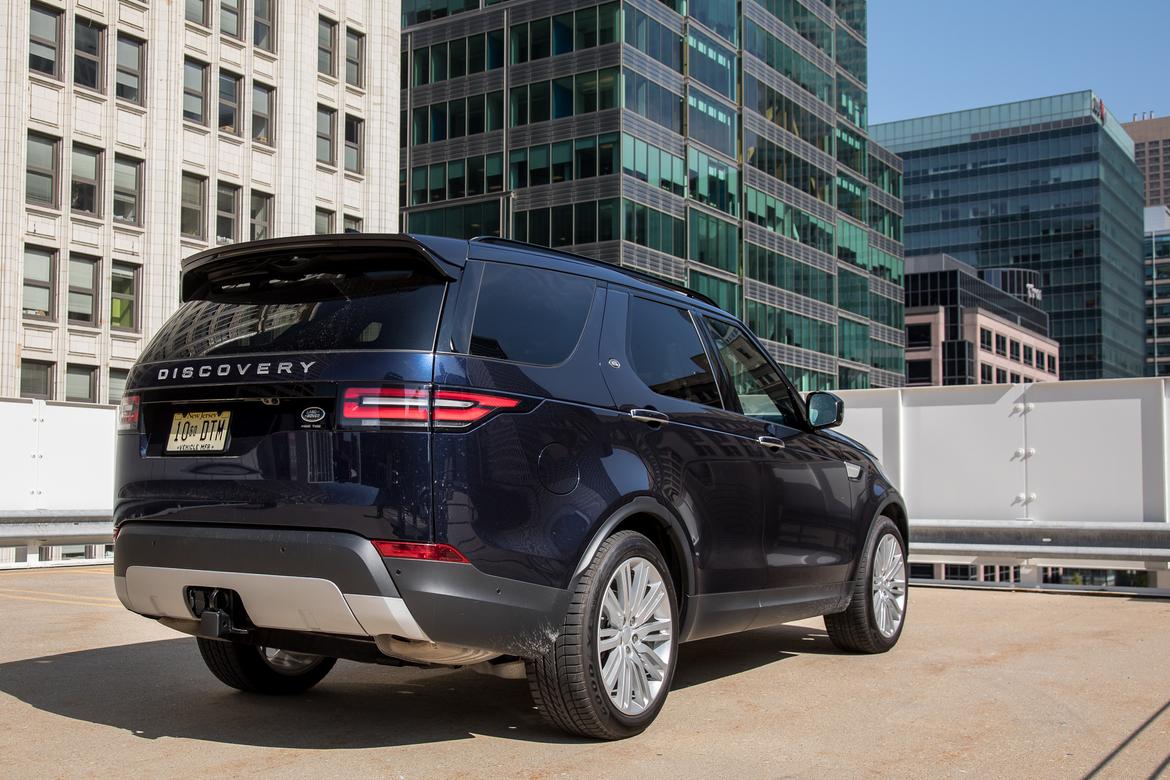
(198, 432)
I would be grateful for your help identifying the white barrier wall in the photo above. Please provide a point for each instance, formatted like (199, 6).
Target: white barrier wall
(1069, 452)
(56, 457)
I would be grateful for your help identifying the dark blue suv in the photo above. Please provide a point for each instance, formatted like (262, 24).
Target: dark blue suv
(414, 450)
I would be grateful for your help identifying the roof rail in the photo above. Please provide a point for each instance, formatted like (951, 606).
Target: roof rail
(631, 272)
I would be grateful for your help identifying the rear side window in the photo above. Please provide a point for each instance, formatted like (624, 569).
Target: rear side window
(665, 352)
(529, 315)
(381, 309)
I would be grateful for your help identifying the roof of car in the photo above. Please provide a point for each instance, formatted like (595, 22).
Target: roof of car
(451, 252)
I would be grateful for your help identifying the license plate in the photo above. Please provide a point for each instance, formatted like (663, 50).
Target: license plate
(198, 432)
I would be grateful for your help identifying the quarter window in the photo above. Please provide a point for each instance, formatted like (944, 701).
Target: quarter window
(665, 352)
(88, 39)
(530, 315)
(44, 37)
(761, 389)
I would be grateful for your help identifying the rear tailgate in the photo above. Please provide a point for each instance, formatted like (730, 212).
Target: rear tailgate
(238, 400)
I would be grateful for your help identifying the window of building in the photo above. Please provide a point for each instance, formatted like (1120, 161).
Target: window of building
(131, 63)
(1000, 345)
(261, 216)
(193, 207)
(513, 298)
(44, 36)
(36, 379)
(1001, 376)
(123, 296)
(80, 383)
(88, 45)
(229, 102)
(1027, 355)
(1052, 364)
(323, 221)
(919, 372)
(263, 108)
(985, 373)
(665, 352)
(230, 13)
(1014, 351)
(196, 11)
(351, 224)
(326, 46)
(40, 182)
(1040, 359)
(918, 334)
(127, 189)
(354, 133)
(37, 297)
(1015, 378)
(355, 55)
(195, 92)
(117, 385)
(227, 213)
(85, 196)
(82, 303)
(985, 339)
(263, 25)
(326, 117)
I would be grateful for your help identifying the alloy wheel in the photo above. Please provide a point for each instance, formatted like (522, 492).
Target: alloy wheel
(635, 632)
(889, 586)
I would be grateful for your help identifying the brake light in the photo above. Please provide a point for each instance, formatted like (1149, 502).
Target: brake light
(413, 406)
(128, 412)
(419, 551)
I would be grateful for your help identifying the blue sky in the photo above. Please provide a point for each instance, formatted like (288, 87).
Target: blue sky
(933, 56)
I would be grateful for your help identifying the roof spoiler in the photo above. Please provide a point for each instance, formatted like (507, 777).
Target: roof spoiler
(202, 270)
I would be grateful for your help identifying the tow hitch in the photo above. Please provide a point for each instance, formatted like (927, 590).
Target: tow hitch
(218, 611)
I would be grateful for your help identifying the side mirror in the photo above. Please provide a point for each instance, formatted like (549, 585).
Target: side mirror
(825, 410)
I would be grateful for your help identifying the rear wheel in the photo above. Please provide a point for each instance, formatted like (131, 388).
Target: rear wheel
(609, 671)
(873, 622)
(263, 669)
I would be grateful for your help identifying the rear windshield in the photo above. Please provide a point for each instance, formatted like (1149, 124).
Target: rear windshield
(359, 309)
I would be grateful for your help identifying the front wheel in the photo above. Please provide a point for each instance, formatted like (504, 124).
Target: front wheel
(875, 617)
(608, 673)
(263, 669)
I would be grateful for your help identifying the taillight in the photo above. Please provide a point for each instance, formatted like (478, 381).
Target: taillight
(128, 413)
(421, 551)
(377, 406)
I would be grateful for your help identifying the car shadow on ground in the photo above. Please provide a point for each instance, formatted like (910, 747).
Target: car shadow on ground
(162, 689)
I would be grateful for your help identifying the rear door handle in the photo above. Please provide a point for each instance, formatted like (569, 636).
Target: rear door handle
(649, 416)
(771, 442)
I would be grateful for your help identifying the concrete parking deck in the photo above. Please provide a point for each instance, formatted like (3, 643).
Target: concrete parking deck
(985, 684)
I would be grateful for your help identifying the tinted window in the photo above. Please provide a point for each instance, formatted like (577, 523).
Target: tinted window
(529, 315)
(348, 310)
(665, 352)
(761, 390)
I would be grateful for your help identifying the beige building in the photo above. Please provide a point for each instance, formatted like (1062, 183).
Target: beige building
(136, 133)
(1151, 151)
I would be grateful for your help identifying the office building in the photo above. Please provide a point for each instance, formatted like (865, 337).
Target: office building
(964, 327)
(1049, 185)
(1151, 151)
(138, 133)
(718, 144)
(1157, 255)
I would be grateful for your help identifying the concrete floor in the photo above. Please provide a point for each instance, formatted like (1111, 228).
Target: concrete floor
(983, 684)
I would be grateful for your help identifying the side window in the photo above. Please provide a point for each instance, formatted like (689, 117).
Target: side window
(762, 392)
(529, 315)
(665, 352)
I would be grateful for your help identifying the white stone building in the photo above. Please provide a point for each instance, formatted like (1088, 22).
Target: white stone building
(134, 133)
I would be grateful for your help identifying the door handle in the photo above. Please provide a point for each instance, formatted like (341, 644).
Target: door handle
(649, 416)
(771, 442)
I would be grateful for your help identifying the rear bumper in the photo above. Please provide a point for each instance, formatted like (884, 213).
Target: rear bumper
(332, 583)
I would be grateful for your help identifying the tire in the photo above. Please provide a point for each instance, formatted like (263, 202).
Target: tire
(861, 628)
(248, 668)
(570, 684)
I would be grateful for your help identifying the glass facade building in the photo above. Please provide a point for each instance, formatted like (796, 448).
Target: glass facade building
(718, 144)
(1157, 254)
(1048, 185)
